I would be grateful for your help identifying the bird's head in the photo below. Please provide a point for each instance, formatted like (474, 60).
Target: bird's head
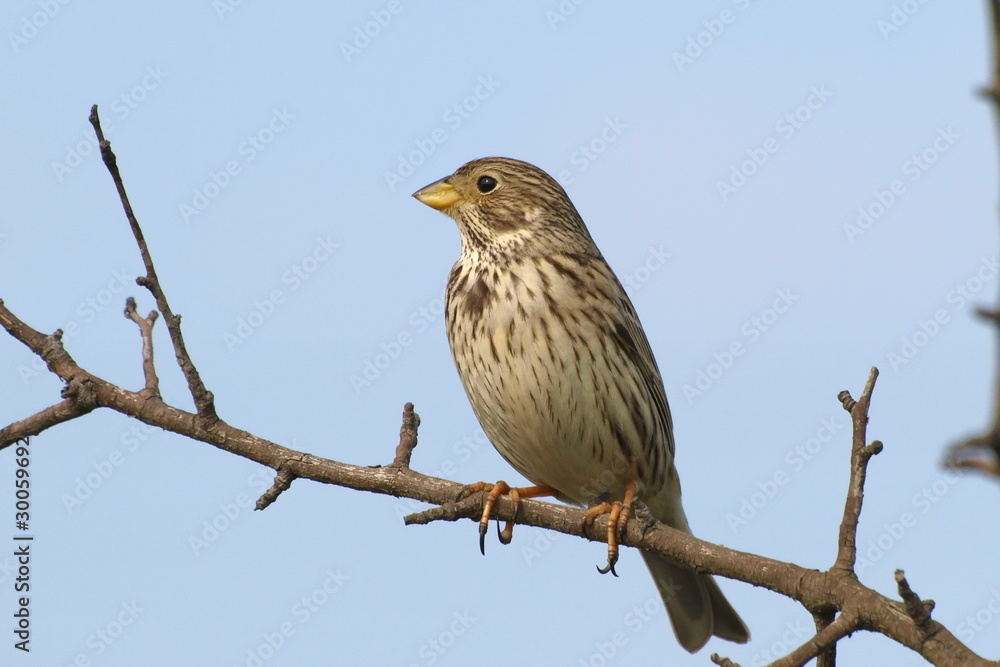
(509, 208)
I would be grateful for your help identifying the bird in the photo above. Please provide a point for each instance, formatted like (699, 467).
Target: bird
(560, 374)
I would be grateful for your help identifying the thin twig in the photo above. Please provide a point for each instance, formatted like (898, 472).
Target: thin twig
(919, 610)
(987, 458)
(827, 657)
(407, 437)
(282, 481)
(987, 314)
(146, 329)
(821, 642)
(860, 455)
(976, 453)
(53, 415)
(995, 96)
(203, 399)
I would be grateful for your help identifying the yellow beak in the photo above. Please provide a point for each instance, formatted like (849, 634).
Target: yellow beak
(438, 195)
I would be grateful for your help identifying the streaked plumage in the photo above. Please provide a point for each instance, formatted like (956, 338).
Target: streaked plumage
(556, 365)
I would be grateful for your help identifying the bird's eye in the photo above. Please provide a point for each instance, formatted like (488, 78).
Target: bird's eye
(486, 184)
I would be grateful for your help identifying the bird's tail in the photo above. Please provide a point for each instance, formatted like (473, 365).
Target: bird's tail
(695, 604)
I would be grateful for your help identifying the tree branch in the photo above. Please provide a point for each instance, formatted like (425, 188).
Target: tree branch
(282, 481)
(978, 453)
(815, 590)
(860, 455)
(145, 325)
(61, 412)
(823, 641)
(204, 401)
(407, 437)
(918, 610)
(827, 655)
(982, 452)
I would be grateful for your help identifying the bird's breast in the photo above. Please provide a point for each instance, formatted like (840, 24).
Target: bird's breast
(543, 376)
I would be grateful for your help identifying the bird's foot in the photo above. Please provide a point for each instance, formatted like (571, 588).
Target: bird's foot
(495, 491)
(618, 514)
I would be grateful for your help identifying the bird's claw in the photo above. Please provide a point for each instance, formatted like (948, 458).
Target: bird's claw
(610, 567)
(495, 491)
(617, 519)
(618, 515)
(507, 534)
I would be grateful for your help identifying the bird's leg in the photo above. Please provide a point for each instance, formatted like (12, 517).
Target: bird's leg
(495, 491)
(618, 514)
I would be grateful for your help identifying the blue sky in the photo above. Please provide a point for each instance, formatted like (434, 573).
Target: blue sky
(792, 194)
